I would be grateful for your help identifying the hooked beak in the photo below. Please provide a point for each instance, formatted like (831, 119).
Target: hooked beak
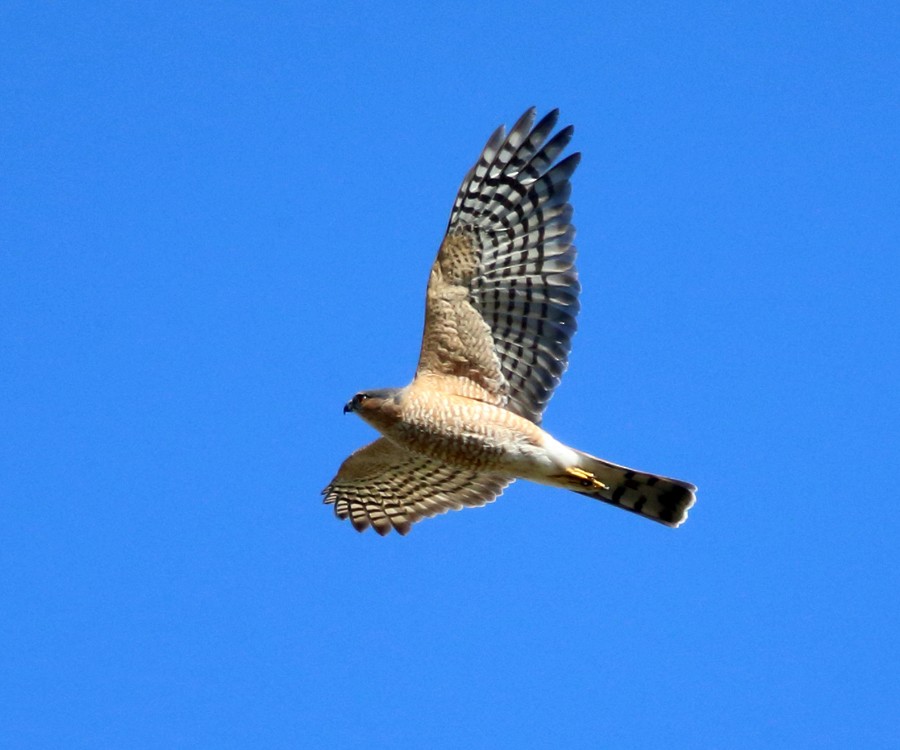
(348, 407)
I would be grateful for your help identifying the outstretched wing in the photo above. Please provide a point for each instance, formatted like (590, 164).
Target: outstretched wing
(503, 292)
(384, 486)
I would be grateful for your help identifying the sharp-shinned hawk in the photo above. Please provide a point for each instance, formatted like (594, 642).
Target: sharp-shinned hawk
(499, 317)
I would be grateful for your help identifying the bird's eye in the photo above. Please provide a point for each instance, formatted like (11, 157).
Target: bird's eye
(360, 397)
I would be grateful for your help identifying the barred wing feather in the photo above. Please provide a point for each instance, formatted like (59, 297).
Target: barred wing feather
(505, 280)
(386, 487)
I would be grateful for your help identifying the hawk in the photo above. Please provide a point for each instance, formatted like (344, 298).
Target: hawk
(499, 318)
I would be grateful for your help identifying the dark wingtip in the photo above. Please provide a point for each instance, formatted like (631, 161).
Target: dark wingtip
(548, 121)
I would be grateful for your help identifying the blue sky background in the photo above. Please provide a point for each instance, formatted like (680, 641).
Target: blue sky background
(216, 224)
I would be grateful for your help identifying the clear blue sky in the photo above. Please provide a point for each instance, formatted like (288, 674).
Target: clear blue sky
(216, 225)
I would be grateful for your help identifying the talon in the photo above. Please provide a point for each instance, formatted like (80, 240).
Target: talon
(586, 478)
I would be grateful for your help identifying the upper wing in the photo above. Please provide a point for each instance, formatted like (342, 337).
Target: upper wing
(503, 292)
(385, 486)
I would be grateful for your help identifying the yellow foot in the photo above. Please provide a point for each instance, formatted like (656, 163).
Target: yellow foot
(585, 478)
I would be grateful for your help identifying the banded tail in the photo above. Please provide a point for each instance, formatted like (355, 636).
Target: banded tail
(657, 498)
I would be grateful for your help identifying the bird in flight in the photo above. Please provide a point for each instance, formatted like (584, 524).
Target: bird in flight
(499, 317)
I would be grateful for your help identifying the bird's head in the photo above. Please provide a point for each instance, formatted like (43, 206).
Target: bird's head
(375, 406)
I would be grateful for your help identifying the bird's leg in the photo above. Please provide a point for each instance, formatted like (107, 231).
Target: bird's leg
(585, 478)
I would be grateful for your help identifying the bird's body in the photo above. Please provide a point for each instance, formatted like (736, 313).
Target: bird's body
(463, 431)
(500, 312)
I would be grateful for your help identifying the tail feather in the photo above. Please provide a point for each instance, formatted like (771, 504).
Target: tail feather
(659, 498)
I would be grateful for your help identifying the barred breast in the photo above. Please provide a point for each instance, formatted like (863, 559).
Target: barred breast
(465, 432)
